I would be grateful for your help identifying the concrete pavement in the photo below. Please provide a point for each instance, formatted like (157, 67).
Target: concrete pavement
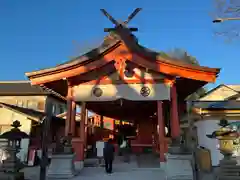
(126, 171)
(119, 174)
(98, 173)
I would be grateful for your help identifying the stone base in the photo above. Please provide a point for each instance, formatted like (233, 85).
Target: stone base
(163, 166)
(79, 165)
(12, 176)
(61, 167)
(178, 167)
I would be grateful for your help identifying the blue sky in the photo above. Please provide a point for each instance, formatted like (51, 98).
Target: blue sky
(41, 34)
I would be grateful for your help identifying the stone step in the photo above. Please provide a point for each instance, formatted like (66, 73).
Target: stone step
(228, 178)
(91, 162)
(230, 162)
(229, 174)
(230, 167)
(229, 170)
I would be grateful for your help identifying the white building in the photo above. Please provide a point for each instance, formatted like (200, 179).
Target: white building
(220, 102)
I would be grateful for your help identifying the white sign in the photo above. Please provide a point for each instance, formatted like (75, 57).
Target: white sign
(111, 92)
(100, 147)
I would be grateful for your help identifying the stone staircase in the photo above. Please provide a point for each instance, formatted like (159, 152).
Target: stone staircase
(229, 170)
(92, 162)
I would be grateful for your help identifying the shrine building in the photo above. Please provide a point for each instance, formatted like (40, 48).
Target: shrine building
(124, 80)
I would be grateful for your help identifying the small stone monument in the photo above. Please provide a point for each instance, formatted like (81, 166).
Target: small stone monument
(12, 165)
(228, 136)
(178, 165)
(62, 165)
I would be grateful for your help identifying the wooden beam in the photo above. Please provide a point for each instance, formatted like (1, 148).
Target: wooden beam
(114, 29)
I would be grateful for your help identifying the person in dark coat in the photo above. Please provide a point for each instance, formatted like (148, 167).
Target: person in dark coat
(108, 154)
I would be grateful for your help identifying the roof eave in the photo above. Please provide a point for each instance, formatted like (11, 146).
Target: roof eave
(77, 61)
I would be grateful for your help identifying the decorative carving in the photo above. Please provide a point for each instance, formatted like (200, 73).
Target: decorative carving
(128, 73)
(145, 91)
(97, 92)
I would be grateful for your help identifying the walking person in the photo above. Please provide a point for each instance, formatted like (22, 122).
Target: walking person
(108, 154)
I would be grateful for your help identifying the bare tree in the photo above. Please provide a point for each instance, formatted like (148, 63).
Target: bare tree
(227, 12)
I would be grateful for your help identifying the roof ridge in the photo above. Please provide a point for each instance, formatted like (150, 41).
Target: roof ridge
(232, 84)
(17, 81)
(231, 88)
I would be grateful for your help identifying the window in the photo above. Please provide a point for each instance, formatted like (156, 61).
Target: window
(54, 109)
(61, 109)
(25, 104)
(20, 103)
(32, 105)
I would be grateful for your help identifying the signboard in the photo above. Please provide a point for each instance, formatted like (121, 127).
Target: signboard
(31, 157)
(111, 92)
(100, 146)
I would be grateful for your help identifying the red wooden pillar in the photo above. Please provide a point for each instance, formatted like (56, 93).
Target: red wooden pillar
(82, 131)
(73, 119)
(161, 130)
(101, 122)
(86, 128)
(102, 127)
(69, 111)
(174, 122)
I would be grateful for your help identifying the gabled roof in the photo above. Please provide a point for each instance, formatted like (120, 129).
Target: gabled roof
(20, 88)
(217, 105)
(30, 113)
(24, 88)
(153, 60)
(234, 88)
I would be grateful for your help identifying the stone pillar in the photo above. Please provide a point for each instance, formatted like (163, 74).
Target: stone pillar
(174, 122)
(161, 133)
(178, 167)
(62, 166)
(44, 139)
(73, 119)
(178, 159)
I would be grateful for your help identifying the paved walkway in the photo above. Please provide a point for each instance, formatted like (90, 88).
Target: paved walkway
(120, 174)
(126, 171)
(97, 173)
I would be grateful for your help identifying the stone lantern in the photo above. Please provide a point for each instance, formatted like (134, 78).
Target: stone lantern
(228, 137)
(12, 165)
(62, 163)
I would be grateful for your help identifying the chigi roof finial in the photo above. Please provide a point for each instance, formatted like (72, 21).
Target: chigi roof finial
(119, 24)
